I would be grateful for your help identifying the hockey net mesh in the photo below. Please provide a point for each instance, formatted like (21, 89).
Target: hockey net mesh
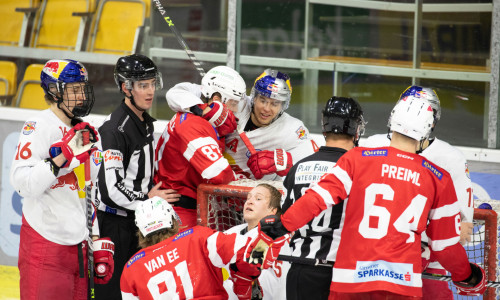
(220, 207)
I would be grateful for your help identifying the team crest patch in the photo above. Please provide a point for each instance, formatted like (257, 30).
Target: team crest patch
(301, 133)
(97, 157)
(382, 152)
(183, 234)
(135, 258)
(29, 127)
(467, 170)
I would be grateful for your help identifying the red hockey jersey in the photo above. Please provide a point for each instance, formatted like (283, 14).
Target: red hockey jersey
(185, 266)
(188, 154)
(389, 197)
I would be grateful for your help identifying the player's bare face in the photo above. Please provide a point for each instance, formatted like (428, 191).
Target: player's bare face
(257, 206)
(144, 93)
(265, 110)
(74, 95)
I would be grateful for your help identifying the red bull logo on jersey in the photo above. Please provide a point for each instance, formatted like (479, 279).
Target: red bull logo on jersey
(29, 127)
(433, 169)
(68, 179)
(301, 133)
(374, 152)
(398, 273)
(135, 258)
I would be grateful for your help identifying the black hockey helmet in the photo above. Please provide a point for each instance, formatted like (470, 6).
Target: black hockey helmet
(343, 115)
(136, 67)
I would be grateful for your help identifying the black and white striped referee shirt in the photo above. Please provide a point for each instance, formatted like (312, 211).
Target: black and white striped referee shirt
(126, 157)
(318, 238)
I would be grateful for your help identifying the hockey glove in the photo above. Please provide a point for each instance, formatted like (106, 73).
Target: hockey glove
(266, 247)
(267, 162)
(72, 144)
(104, 264)
(242, 283)
(475, 285)
(221, 118)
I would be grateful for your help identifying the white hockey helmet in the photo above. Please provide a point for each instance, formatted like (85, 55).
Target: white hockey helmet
(223, 80)
(154, 214)
(412, 117)
(275, 85)
(427, 94)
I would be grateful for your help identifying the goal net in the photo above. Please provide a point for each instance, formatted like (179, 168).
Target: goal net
(220, 207)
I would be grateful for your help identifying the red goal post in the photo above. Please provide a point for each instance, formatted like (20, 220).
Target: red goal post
(220, 207)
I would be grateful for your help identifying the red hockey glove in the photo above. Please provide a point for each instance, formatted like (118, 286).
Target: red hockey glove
(104, 264)
(267, 162)
(221, 118)
(72, 144)
(475, 285)
(242, 283)
(266, 247)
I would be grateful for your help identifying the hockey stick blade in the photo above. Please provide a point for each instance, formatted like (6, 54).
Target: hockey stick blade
(178, 36)
(493, 284)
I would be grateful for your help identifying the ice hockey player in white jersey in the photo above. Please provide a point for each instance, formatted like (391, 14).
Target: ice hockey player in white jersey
(279, 138)
(453, 161)
(262, 200)
(47, 171)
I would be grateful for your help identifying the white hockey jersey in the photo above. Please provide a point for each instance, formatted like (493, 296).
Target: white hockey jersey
(285, 132)
(272, 280)
(449, 158)
(54, 206)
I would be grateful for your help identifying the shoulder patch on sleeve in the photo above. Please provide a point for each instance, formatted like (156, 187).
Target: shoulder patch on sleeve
(97, 157)
(136, 258)
(301, 133)
(183, 234)
(29, 127)
(433, 169)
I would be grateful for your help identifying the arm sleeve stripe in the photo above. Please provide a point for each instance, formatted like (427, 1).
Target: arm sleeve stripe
(215, 169)
(439, 245)
(213, 255)
(324, 194)
(197, 144)
(444, 211)
(342, 175)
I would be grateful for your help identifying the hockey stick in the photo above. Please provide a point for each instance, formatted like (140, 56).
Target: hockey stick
(494, 284)
(90, 218)
(196, 62)
(307, 261)
(180, 39)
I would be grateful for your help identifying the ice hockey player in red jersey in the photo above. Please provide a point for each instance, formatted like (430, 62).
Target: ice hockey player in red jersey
(189, 152)
(390, 196)
(185, 265)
